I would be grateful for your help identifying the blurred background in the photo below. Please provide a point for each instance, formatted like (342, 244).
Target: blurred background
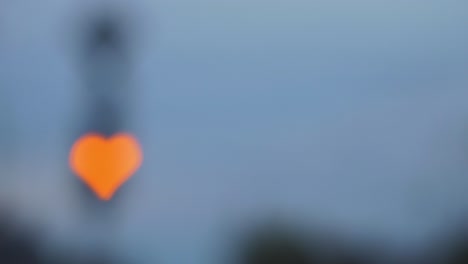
(279, 132)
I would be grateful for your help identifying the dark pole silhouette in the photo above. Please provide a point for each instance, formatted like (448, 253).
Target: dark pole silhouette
(105, 73)
(104, 67)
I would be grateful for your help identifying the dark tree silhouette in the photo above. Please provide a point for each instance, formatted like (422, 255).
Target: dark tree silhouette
(16, 249)
(18, 246)
(278, 244)
(458, 252)
(276, 247)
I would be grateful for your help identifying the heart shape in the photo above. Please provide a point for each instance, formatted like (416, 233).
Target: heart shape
(105, 164)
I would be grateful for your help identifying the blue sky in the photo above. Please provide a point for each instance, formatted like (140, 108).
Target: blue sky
(334, 111)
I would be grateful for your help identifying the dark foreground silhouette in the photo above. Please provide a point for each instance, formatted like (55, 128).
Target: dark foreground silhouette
(268, 245)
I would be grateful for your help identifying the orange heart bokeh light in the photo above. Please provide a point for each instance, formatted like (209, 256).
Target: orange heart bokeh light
(104, 164)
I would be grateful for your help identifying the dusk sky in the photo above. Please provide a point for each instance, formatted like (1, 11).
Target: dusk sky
(349, 114)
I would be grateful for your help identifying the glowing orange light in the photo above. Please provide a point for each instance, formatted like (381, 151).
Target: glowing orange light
(105, 164)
